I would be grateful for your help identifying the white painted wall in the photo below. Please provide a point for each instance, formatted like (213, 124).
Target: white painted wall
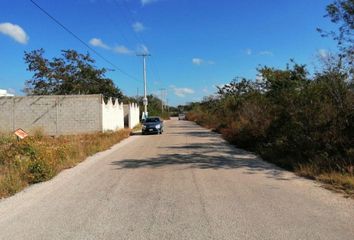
(112, 115)
(134, 113)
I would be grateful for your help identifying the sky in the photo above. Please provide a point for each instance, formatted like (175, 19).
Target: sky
(195, 45)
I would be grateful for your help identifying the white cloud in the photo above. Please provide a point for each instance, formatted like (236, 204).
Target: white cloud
(96, 42)
(181, 92)
(11, 91)
(266, 53)
(14, 31)
(138, 27)
(205, 90)
(142, 49)
(200, 61)
(248, 51)
(197, 61)
(323, 53)
(121, 49)
(146, 2)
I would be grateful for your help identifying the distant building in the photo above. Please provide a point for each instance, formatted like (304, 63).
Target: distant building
(4, 93)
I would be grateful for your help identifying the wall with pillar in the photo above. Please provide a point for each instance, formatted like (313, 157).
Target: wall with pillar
(132, 113)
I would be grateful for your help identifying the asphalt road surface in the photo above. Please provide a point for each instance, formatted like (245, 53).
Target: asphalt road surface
(184, 184)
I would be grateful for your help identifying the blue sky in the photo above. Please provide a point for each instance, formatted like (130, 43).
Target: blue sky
(195, 44)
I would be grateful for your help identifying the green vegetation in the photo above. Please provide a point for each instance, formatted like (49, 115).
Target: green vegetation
(299, 121)
(39, 158)
(154, 106)
(341, 13)
(72, 73)
(75, 73)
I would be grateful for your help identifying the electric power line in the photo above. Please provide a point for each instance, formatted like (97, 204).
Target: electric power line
(130, 20)
(83, 42)
(138, 37)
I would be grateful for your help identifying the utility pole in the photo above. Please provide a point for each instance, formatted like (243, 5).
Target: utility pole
(168, 107)
(145, 101)
(166, 101)
(162, 98)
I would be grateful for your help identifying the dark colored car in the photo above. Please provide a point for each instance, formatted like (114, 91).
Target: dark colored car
(152, 125)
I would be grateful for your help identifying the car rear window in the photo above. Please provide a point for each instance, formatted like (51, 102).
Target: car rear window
(152, 120)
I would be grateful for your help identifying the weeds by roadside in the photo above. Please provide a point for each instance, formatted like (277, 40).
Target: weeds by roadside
(39, 158)
(338, 181)
(335, 181)
(137, 128)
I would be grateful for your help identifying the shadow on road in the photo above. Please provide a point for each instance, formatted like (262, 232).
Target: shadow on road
(205, 151)
(207, 134)
(206, 156)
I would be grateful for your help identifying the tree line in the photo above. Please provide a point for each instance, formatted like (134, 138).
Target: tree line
(75, 73)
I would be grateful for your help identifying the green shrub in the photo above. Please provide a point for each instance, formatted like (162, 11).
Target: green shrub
(289, 118)
(39, 171)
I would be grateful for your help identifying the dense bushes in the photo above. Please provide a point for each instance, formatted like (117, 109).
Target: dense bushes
(301, 123)
(39, 158)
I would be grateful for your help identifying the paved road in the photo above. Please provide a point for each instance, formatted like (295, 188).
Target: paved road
(184, 184)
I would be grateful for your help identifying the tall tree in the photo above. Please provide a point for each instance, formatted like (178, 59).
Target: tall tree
(72, 73)
(341, 12)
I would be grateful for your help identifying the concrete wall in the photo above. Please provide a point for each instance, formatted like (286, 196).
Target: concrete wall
(133, 114)
(77, 114)
(112, 115)
(56, 115)
(126, 115)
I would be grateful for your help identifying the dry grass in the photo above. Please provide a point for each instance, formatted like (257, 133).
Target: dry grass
(137, 128)
(39, 158)
(338, 182)
(335, 181)
(342, 182)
